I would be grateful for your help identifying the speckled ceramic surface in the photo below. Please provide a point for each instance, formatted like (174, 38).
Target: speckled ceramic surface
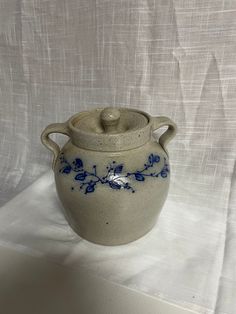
(112, 177)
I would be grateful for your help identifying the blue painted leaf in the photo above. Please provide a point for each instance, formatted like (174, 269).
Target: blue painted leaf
(156, 158)
(114, 185)
(139, 177)
(67, 169)
(78, 163)
(127, 186)
(118, 169)
(150, 157)
(90, 188)
(80, 176)
(164, 174)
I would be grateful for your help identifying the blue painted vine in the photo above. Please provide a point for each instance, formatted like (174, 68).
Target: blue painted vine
(115, 177)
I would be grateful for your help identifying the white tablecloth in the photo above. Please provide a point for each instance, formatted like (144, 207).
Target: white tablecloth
(187, 259)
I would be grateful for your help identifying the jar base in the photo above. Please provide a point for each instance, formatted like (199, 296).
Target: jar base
(110, 242)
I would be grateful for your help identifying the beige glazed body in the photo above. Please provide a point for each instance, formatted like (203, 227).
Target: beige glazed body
(112, 177)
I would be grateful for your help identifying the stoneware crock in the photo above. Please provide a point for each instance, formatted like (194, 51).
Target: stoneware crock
(112, 176)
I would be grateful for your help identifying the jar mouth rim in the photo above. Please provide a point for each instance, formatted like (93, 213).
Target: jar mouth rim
(75, 117)
(127, 140)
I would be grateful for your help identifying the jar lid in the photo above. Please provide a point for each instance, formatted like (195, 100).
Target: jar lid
(110, 129)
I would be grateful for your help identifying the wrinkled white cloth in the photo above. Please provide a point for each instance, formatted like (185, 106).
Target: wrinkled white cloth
(188, 258)
(175, 58)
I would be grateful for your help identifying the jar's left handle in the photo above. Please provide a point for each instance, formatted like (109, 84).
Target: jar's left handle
(49, 143)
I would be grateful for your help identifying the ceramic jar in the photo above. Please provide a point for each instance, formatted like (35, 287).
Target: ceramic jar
(112, 176)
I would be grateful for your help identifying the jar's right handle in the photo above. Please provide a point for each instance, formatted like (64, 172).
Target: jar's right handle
(167, 136)
(49, 143)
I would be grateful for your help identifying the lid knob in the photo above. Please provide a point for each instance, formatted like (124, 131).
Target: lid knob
(110, 118)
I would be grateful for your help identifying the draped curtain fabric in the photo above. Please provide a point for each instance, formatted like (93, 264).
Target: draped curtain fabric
(175, 58)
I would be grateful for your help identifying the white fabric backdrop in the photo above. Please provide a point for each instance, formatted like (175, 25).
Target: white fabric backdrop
(174, 58)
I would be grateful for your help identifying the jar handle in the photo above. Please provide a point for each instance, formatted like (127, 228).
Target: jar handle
(49, 143)
(167, 136)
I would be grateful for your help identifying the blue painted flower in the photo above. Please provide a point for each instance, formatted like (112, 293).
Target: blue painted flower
(153, 158)
(81, 176)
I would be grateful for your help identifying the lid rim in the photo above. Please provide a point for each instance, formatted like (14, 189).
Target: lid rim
(110, 141)
(75, 129)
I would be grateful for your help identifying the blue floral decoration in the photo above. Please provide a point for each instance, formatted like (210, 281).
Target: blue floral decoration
(115, 178)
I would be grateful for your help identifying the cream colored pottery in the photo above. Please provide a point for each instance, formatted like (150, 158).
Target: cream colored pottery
(112, 177)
